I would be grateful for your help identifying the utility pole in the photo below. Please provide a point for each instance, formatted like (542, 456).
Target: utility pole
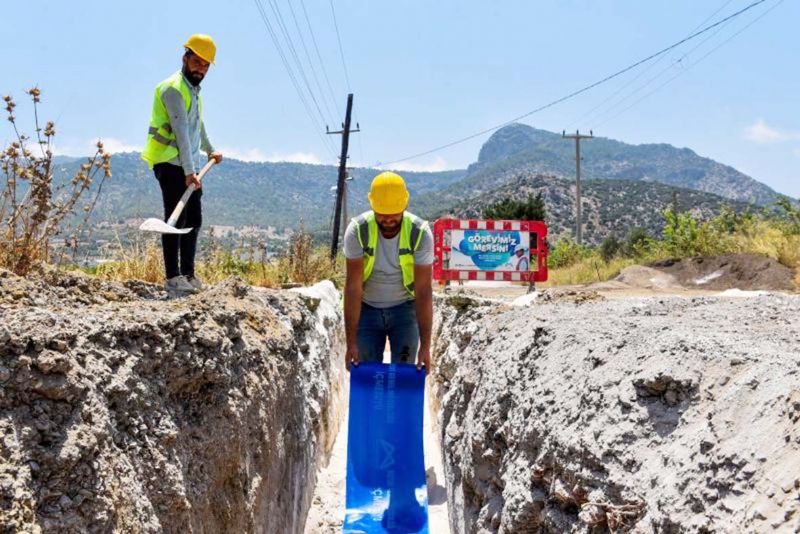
(577, 136)
(340, 184)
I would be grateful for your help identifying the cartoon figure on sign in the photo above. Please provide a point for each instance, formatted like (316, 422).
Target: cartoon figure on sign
(520, 258)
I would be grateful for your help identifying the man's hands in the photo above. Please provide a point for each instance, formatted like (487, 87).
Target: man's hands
(351, 355)
(424, 359)
(192, 181)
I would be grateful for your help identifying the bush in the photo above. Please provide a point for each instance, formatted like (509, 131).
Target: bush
(610, 248)
(638, 244)
(565, 253)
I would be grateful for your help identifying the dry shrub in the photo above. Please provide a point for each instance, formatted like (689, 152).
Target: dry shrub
(306, 263)
(33, 209)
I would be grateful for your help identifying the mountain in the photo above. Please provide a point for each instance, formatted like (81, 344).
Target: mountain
(609, 206)
(238, 193)
(519, 147)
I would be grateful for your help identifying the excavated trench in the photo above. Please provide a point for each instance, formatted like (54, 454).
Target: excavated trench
(122, 412)
(656, 414)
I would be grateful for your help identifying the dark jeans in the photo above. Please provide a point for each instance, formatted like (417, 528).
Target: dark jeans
(172, 181)
(398, 323)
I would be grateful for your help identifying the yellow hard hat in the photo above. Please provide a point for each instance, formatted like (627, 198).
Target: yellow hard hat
(388, 194)
(203, 46)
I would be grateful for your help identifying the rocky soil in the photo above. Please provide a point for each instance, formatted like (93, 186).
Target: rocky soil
(120, 411)
(637, 414)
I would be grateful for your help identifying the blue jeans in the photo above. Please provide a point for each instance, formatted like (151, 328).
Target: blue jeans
(398, 323)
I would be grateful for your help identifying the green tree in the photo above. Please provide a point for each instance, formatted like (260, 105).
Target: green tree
(790, 216)
(532, 209)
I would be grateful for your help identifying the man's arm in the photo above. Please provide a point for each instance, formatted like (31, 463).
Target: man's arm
(353, 288)
(205, 145)
(424, 307)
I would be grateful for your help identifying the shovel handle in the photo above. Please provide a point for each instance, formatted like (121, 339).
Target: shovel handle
(173, 218)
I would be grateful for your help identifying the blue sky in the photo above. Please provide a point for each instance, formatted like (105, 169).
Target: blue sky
(423, 74)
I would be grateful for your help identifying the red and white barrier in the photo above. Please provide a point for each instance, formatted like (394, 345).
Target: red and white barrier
(443, 250)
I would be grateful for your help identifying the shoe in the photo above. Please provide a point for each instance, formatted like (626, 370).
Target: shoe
(195, 282)
(179, 285)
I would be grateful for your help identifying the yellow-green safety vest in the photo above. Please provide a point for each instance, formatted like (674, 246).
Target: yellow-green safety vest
(410, 237)
(162, 145)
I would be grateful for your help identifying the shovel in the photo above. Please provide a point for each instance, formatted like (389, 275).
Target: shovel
(157, 225)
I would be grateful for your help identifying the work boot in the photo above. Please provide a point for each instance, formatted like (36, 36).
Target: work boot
(195, 282)
(179, 286)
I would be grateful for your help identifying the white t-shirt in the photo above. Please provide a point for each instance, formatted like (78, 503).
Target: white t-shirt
(384, 288)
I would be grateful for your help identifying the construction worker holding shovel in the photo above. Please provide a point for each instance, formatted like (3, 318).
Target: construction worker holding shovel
(388, 289)
(174, 140)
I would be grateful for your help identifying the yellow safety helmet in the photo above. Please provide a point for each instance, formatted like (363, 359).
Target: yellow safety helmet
(202, 45)
(388, 194)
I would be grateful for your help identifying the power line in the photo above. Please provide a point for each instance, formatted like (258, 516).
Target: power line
(292, 77)
(670, 80)
(584, 116)
(341, 50)
(582, 90)
(279, 17)
(330, 115)
(319, 56)
(626, 97)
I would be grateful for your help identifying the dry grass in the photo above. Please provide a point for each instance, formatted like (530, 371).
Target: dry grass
(587, 270)
(763, 237)
(302, 264)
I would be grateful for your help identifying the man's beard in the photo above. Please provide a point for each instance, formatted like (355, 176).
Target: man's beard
(194, 78)
(391, 228)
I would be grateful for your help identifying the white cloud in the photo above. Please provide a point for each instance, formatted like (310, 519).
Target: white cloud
(256, 155)
(761, 132)
(110, 145)
(439, 164)
(115, 146)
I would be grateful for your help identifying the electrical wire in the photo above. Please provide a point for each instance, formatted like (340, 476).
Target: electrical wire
(292, 77)
(581, 90)
(720, 45)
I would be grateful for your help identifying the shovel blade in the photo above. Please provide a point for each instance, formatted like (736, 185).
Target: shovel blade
(157, 225)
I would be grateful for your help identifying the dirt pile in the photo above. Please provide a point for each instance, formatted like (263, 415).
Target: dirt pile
(747, 272)
(640, 414)
(740, 271)
(123, 412)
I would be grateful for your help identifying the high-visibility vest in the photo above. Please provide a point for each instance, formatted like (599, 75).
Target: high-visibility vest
(162, 145)
(410, 237)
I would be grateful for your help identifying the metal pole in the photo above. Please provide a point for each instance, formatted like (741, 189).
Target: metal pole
(337, 215)
(578, 222)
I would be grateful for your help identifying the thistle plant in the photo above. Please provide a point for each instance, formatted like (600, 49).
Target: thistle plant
(33, 209)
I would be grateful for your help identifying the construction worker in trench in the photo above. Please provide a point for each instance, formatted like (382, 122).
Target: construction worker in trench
(388, 291)
(174, 140)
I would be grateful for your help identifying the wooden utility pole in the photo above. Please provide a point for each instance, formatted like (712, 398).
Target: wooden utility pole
(340, 184)
(577, 137)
